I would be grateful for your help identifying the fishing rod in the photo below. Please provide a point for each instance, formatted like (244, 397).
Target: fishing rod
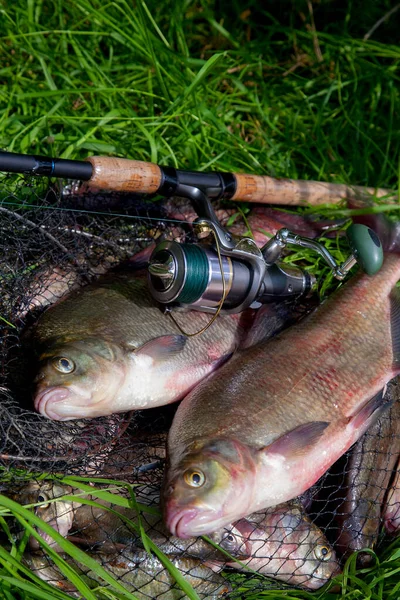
(220, 273)
(125, 175)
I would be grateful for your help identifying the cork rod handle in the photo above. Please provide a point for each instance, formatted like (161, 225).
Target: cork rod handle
(268, 190)
(124, 175)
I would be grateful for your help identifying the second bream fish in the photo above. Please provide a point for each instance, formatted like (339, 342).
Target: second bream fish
(109, 348)
(270, 422)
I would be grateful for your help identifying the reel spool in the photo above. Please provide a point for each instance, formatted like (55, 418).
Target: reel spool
(190, 276)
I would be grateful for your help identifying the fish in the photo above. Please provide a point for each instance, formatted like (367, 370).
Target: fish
(283, 543)
(367, 474)
(140, 573)
(108, 527)
(271, 421)
(108, 348)
(391, 509)
(58, 514)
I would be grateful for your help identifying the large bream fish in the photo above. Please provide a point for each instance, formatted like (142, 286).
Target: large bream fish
(108, 348)
(270, 422)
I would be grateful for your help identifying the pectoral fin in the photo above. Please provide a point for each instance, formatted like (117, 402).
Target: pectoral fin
(297, 441)
(370, 411)
(164, 347)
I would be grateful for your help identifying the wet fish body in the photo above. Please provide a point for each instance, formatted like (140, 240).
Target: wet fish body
(285, 410)
(368, 472)
(281, 542)
(108, 348)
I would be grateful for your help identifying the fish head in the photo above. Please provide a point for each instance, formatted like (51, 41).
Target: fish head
(232, 540)
(392, 517)
(310, 559)
(304, 554)
(51, 508)
(319, 563)
(208, 488)
(76, 378)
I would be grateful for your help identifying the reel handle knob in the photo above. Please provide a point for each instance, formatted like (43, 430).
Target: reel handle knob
(366, 246)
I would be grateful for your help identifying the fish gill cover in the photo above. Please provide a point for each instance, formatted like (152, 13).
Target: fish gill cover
(97, 481)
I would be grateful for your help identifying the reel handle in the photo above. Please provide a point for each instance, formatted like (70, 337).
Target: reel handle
(366, 246)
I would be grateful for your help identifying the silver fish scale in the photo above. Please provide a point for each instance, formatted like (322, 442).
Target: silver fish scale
(322, 369)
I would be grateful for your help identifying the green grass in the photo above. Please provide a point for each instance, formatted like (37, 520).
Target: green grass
(379, 582)
(181, 89)
(289, 89)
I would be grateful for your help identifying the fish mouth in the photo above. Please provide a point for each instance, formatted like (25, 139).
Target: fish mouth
(391, 525)
(47, 538)
(318, 580)
(44, 402)
(186, 523)
(178, 525)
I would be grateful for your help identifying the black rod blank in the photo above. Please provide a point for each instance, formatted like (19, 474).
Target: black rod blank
(11, 162)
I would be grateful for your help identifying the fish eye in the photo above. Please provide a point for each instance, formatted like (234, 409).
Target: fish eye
(194, 478)
(64, 365)
(42, 497)
(228, 541)
(323, 553)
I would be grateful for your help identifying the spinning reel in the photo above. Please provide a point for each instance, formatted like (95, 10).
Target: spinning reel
(223, 274)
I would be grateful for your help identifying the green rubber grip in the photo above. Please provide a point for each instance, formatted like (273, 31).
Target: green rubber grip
(366, 247)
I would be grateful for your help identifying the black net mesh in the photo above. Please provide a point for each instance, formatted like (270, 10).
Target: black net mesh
(47, 250)
(54, 240)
